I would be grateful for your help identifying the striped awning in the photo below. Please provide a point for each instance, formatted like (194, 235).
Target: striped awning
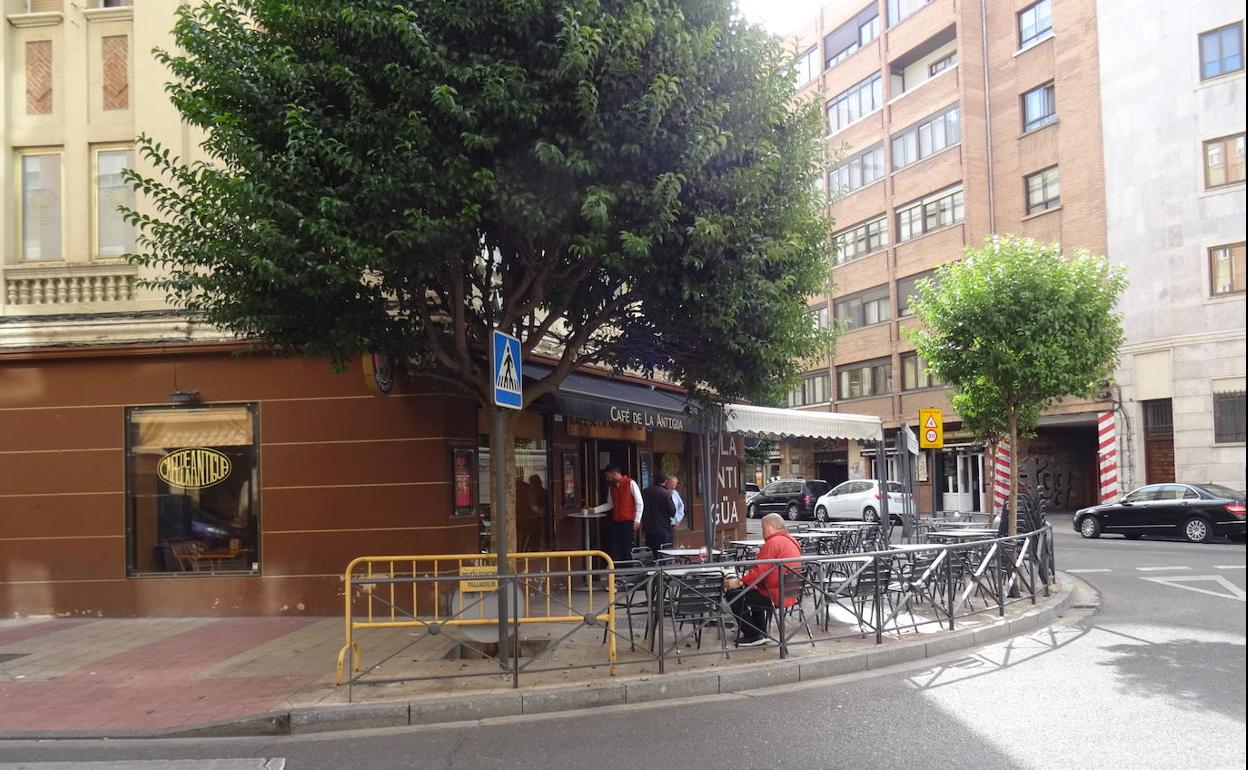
(766, 422)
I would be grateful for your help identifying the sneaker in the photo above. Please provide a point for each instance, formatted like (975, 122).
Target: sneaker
(751, 641)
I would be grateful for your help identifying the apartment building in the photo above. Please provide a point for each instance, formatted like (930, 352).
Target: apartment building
(952, 120)
(1174, 183)
(153, 465)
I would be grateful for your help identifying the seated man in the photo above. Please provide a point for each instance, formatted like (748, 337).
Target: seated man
(758, 591)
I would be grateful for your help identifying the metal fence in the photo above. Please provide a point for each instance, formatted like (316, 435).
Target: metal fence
(657, 611)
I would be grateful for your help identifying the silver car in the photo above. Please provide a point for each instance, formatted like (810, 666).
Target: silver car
(859, 500)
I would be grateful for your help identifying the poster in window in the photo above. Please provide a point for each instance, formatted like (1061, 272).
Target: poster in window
(463, 467)
(568, 474)
(643, 460)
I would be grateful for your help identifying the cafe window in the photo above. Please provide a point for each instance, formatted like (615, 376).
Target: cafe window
(531, 482)
(192, 497)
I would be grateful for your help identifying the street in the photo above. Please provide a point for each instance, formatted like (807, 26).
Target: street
(1156, 675)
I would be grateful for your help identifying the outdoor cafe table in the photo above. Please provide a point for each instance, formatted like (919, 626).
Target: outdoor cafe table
(747, 543)
(958, 524)
(685, 554)
(961, 535)
(653, 618)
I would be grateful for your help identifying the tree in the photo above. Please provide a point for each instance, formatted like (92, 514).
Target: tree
(622, 182)
(1013, 328)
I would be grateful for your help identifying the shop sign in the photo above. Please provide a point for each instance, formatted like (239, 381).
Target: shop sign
(474, 579)
(193, 468)
(599, 429)
(379, 373)
(627, 415)
(726, 513)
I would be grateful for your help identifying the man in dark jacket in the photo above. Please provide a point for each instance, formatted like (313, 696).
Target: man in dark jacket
(658, 510)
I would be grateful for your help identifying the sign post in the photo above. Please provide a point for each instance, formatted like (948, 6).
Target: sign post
(507, 375)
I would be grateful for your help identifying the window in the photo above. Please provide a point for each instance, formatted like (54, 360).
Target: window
(900, 10)
(192, 501)
(931, 213)
(864, 308)
(908, 287)
(41, 206)
(857, 172)
(114, 235)
(807, 67)
(1228, 418)
(870, 378)
(813, 390)
(914, 373)
(1144, 494)
(942, 64)
(1221, 51)
(819, 317)
(861, 240)
(1224, 161)
(927, 138)
(1039, 107)
(1158, 416)
(1226, 269)
(845, 40)
(854, 103)
(1043, 191)
(1034, 22)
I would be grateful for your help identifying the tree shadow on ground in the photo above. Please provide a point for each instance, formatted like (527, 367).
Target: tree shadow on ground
(1203, 676)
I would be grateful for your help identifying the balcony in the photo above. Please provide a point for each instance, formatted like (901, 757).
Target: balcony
(47, 290)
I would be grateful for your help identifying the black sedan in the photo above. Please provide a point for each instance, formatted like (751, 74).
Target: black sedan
(1199, 512)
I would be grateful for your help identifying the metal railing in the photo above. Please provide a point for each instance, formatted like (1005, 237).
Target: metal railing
(892, 591)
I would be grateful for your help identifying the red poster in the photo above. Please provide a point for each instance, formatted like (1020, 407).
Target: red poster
(463, 479)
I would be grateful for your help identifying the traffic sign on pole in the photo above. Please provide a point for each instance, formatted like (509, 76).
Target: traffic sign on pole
(931, 429)
(508, 371)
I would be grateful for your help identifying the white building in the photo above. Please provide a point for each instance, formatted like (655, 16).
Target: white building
(1172, 100)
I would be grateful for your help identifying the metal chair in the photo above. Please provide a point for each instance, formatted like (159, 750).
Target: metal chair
(698, 599)
(794, 582)
(627, 589)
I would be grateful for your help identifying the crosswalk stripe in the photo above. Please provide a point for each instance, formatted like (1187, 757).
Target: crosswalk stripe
(1085, 571)
(1159, 569)
(277, 763)
(1228, 566)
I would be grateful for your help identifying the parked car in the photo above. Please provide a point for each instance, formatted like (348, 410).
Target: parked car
(793, 499)
(1197, 511)
(751, 489)
(860, 500)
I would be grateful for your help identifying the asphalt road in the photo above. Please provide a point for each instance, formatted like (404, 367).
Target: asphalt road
(1155, 679)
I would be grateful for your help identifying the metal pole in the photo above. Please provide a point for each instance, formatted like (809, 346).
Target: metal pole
(949, 584)
(1000, 581)
(708, 496)
(876, 608)
(658, 624)
(498, 511)
(881, 472)
(515, 641)
(784, 648)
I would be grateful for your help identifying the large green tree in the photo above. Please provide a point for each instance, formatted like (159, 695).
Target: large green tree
(1014, 327)
(623, 182)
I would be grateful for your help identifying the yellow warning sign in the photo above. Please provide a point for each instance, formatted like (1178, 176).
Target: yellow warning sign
(931, 429)
(472, 584)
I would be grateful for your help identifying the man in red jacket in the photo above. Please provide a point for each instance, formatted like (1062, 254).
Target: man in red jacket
(758, 591)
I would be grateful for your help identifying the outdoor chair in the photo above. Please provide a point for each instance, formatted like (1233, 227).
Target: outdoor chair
(878, 576)
(794, 581)
(697, 599)
(632, 597)
(642, 554)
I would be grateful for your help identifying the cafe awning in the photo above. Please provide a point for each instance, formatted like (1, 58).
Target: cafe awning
(607, 399)
(766, 422)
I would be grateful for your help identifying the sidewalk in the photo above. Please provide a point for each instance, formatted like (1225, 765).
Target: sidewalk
(80, 676)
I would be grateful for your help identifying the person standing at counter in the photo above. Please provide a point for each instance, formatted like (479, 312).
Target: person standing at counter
(625, 504)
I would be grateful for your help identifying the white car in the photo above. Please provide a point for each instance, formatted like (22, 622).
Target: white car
(860, 501)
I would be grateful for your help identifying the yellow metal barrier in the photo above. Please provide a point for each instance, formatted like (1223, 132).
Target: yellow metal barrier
(469, 574)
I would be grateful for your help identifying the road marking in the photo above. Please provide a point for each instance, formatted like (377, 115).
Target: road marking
(1221, 566)
(1086, 571)
(1236, 592)
(1159, 569)
(154, 764)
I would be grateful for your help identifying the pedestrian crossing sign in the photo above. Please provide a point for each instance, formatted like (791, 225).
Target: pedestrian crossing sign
(931, 429)
(508, 371)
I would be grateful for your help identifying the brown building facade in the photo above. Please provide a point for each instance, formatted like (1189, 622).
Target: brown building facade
(948, 121)
(192, 480)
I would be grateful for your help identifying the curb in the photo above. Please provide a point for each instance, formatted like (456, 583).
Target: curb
(621, 691)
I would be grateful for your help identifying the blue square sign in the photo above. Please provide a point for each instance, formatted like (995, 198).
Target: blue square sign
(508, 372)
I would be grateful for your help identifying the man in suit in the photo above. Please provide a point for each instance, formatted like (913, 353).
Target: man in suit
(658, 512)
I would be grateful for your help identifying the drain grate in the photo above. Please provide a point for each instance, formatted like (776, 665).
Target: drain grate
(5, 657)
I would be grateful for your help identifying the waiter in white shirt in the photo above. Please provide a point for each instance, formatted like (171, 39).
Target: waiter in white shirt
(625, 504)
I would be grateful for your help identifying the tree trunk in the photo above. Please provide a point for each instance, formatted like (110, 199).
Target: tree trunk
(503, 501)
(1015, 464)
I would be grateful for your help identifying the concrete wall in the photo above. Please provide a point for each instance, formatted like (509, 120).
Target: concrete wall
(1182, 343)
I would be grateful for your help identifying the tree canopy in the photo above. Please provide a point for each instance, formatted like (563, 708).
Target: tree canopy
(1014, 327)
(630, 180)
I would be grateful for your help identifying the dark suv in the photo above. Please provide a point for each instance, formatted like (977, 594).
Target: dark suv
(791, 498)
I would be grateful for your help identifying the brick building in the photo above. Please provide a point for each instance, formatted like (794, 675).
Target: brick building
(950, 120)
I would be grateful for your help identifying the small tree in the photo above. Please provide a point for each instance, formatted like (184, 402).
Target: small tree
(619, 182)
(1015, 327)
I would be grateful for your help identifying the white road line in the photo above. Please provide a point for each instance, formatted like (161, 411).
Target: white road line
(1218, 566)
(1086, 571)
(1159, 569)
(1232, 591)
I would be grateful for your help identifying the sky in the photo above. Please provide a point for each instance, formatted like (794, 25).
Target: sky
(780, 16)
